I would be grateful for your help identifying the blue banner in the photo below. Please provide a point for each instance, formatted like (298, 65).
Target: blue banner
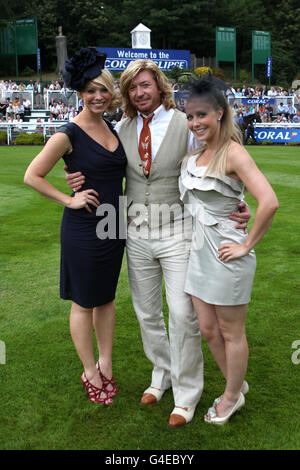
(258, 100)
(38, 58)
(118, 58)
(269, 66)
(280, 135)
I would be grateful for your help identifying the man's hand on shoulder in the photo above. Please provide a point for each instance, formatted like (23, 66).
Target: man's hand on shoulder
(74, 180)
(242, 216)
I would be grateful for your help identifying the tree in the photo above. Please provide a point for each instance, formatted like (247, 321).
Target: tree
(286, 40)
(81, 22)
(175, 24)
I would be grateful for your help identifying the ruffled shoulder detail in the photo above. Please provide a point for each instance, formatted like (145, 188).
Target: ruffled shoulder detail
(191, 178)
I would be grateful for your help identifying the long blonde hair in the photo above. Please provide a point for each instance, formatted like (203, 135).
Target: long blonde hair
(133, 69)
(208, 89)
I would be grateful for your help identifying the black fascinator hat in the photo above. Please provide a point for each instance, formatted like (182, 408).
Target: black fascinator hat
(83, 67)
(211, 89)
(207, 84)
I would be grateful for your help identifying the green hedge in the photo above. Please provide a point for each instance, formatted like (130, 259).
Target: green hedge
(270, 142)
(3, 138)
(29, 139)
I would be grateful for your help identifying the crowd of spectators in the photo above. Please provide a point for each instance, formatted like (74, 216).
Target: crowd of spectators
(261, 111)
(13, 108)
(286, 113)
(261, 105)
(257, 92)
(275, 106)
(59, 111)
(7, 87)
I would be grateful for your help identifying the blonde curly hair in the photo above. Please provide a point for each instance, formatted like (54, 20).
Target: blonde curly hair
(133, 69)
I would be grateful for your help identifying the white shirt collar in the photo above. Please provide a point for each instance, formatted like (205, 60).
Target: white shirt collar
(157, 112)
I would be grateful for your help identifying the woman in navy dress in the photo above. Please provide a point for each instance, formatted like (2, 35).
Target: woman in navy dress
(92, 242)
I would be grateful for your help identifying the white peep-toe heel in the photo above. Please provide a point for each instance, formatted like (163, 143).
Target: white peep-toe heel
(213, 418)
(245, 390)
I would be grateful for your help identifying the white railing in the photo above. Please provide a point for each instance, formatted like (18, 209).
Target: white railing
(45, 128)
(68, 97)
(49, 128)
(284, 125)
(12, 94)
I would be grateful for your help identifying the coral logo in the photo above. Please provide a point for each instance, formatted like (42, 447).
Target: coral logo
(277, 135)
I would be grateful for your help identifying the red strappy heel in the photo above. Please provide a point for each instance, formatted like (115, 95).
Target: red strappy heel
(96, 395)
(108, 383)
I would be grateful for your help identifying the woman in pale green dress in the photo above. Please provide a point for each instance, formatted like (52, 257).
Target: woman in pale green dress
(222, 260)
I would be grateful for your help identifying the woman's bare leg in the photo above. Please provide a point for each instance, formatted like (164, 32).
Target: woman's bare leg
(231, 320)
(81, 327)
(210, 330)
(104, 324)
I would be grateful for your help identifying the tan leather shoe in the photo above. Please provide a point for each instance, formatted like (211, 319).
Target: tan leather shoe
(151, 395)
(181, 416)
(148, 399)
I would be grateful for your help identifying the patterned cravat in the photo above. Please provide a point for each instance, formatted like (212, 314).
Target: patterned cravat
(145, 146)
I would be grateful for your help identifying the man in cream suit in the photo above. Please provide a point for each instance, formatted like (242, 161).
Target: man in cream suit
(158, 241)
(156, 254)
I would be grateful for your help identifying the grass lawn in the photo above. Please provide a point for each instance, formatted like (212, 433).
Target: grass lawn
(43, 403)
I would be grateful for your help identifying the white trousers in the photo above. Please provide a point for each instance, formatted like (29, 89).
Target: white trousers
(177, 361)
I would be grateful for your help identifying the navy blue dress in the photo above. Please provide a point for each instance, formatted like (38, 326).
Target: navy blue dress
(91, 259)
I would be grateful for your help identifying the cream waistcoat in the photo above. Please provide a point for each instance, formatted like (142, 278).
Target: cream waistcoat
(160, 191)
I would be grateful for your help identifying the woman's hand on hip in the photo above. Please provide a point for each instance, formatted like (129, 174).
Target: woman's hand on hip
(84, 199)
(231, 251)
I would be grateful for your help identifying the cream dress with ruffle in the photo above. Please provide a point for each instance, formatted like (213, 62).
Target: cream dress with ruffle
(211, 200)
